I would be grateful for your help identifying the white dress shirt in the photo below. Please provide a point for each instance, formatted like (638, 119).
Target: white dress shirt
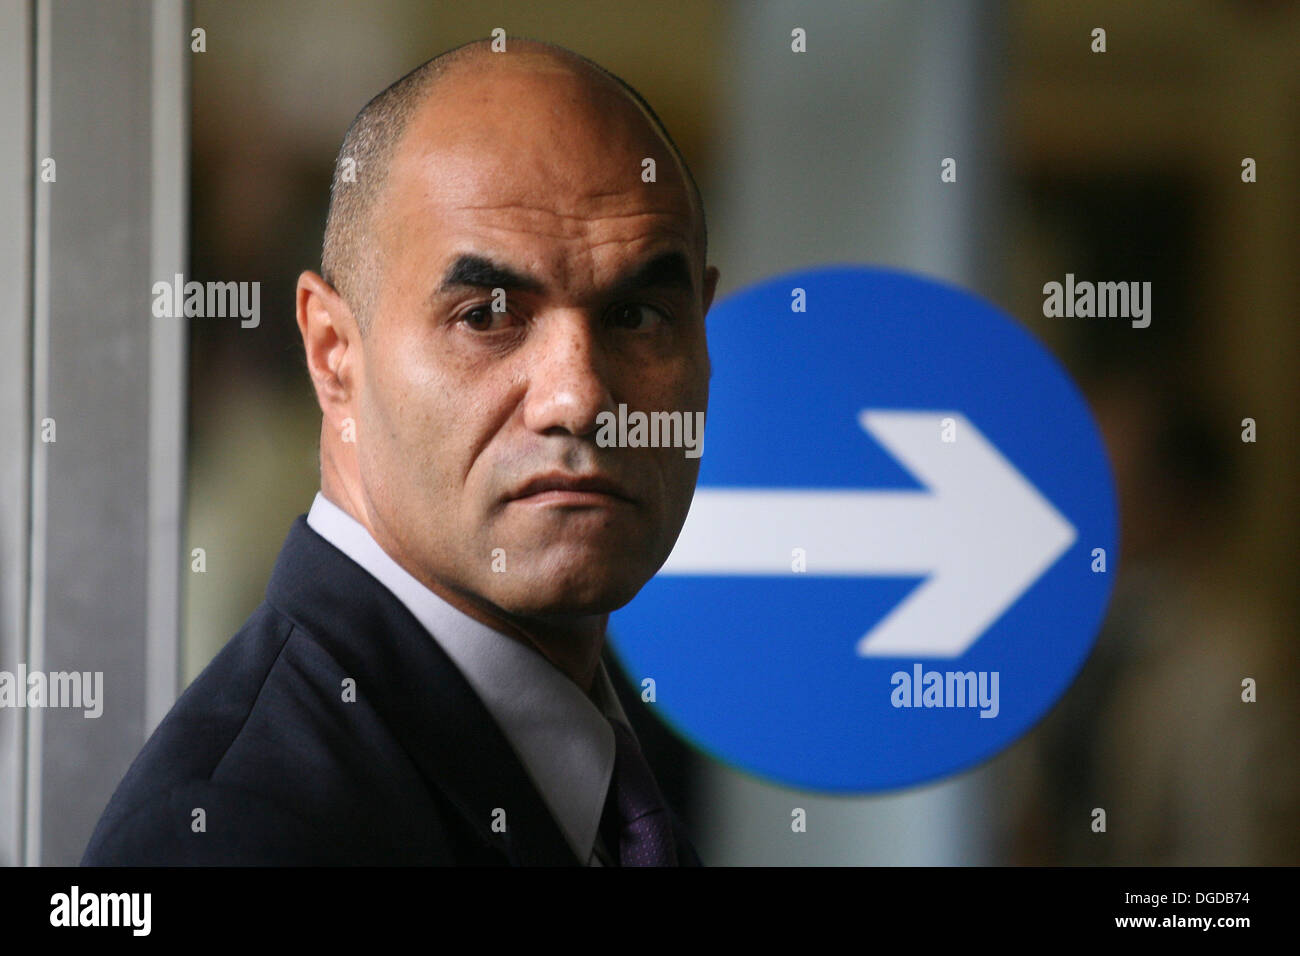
(562, 738)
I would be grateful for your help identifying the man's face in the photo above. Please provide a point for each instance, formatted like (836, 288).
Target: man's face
(531, 182)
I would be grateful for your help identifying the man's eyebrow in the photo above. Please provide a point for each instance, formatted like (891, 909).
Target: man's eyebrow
(478, 272)
(666, 270)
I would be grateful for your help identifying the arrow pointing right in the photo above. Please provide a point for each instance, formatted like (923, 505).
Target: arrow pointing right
(980, 532)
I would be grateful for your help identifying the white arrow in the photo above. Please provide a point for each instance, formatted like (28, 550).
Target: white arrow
(981, 533)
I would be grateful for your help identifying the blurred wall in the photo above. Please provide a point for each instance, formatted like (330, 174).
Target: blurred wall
(1129, 163)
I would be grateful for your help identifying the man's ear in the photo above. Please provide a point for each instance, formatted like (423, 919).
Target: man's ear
(710, 287)
(332, 343)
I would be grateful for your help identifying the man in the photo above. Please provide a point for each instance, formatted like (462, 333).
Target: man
(424, 683)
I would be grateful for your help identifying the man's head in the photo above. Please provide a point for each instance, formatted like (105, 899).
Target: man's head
(350, 258)
(516, 177)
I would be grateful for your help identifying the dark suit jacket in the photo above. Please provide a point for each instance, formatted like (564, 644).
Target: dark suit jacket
(286, 772)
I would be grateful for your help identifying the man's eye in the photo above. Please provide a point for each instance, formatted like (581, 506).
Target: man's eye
(637, 317)
(481, 318)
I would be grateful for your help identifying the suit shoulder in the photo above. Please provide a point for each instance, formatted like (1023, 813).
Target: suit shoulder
(196, 734)
(199, 823)
(182, 755)
(287, 765)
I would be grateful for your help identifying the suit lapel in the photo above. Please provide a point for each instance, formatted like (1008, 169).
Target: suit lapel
(421, 695)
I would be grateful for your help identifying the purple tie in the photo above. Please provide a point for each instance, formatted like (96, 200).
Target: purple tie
(635, 809)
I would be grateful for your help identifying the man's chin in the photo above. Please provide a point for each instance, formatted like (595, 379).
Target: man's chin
(569, 598)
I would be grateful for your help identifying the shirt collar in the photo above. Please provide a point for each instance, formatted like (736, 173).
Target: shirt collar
(562, 738)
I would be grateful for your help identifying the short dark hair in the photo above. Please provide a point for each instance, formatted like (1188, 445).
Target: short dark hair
(361, 168)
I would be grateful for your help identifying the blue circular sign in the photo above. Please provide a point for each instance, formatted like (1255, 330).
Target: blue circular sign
(902, 542)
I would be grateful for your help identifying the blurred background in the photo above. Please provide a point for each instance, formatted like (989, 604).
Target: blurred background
(1123, 164)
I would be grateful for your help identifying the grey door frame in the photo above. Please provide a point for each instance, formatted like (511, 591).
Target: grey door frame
(91, 521)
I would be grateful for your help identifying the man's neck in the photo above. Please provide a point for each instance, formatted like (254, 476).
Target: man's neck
(572, 644)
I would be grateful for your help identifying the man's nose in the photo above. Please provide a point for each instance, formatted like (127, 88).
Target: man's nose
(567, 376)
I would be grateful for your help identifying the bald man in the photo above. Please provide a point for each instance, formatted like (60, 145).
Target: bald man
(514, 249)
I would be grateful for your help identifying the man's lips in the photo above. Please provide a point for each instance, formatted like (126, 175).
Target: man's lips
(564, 488)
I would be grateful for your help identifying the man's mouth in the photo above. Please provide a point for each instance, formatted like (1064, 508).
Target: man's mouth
(564, 488)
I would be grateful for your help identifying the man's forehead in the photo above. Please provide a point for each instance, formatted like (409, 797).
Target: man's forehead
(468, 187)
(535, 145)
